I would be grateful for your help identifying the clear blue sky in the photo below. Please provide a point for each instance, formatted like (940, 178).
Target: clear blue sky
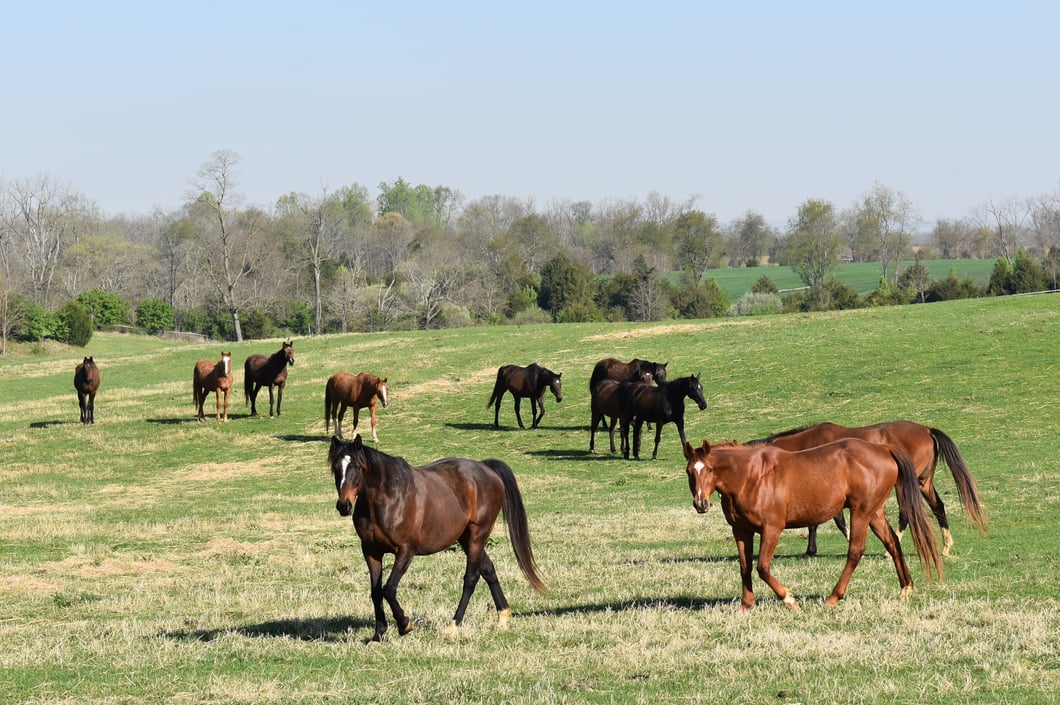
(745, 105)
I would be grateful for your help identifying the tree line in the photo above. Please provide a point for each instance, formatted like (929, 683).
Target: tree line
(417, 256)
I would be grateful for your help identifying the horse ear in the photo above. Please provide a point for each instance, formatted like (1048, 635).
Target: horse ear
(689, 450)
(357, 443)
(706, 446)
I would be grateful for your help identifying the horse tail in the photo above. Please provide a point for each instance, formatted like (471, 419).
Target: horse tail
(498, 389)
(515, 518)
(966, 490)
(327, 406)
(908, 490)
(247, 384)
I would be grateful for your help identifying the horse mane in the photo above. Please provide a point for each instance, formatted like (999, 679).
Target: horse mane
(398, 472)
(783, 434)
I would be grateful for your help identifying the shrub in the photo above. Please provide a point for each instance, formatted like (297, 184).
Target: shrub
(757, 304)
(155, 315)
(105, 308)
(75, 325)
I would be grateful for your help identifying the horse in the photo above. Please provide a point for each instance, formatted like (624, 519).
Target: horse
(662, 404)
(765, 489)
(214, 377)
(635, 370)
(359, 391)
(605, 401)
(925, 445)
(416, 511)
(260, 371)
(530, 381)
(86, 382)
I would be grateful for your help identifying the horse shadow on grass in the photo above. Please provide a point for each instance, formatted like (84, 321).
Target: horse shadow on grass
(332, 629)
(49, 424)
(514, 427)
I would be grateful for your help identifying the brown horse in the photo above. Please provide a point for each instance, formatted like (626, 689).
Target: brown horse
(418, 511)
(765, 489)
(925, 445)
(530, 381)
(662, 404)
(86, 382)
(214, 377)
(635, 370)
(359, 391)
(605, 401)
(260, 371)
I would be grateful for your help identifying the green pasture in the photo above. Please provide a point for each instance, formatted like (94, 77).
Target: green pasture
(862, 277)
(151, 558)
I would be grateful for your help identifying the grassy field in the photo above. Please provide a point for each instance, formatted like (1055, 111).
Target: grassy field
(151, 558)
(863, 277)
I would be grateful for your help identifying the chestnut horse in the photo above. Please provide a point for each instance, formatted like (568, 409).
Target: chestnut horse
(260, 371)
(530, 381)
(662, 404)
(214, 377)
(923, 444)
(359, 391)
(416, 511)
(765, 489)
(86, 382)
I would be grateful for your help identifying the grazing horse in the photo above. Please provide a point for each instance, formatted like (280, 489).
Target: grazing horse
(765, 489)
(923, 444)
(214, 377)
(635, 370)
(664, 403)
(605, 401)
(530, 381)
(86, 382)
(260, 371)
(359, 391)
(416, 511)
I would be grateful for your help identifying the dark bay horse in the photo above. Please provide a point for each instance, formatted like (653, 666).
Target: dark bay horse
(662, 404)
(635, 370)
(215, 377)
(261, 371)
(605, 402)
(530, 381)
(86, 382)
(765, 489)
(416, 511)
(925, 445)
(359, 391)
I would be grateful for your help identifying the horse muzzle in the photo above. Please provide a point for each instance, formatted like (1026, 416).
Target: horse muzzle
(344, 507)
(701, 504)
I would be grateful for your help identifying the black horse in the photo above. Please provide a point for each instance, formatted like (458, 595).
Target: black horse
(260, 371)
(530, 381)
(643, 402)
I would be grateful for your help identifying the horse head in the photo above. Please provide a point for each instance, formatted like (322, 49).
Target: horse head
(700, 475)
(288, 352)
(347, 465)
(226, 363)
(694, 391)
(383, 392)
(556, 385)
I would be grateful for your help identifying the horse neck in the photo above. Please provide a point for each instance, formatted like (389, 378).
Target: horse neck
(732, 469)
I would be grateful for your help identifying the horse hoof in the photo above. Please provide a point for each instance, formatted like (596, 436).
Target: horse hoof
(452, 630)
(791, 603)
(907, 591)
(405, 629)
(503, 618)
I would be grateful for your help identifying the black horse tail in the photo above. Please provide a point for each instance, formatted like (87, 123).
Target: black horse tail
(908, 490)
(247, 384)
(327, 405)
(945, 447)
(515, 518)
(498, 389)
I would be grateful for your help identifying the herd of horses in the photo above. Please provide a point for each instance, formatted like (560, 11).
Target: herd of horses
(799, 478)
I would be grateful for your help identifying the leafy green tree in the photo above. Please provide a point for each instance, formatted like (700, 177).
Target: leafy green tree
(155, 315)
(951, 288)
(566, 290)
(105, 308)
(813, 246)
(75, 325)
(700, 299)
(765, 285)
(698, 242)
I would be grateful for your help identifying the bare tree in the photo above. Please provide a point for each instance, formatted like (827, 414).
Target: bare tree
(887, 219)
(1008, 221)
(230, 242)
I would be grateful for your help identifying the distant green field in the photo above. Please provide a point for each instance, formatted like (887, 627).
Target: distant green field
(863, 277)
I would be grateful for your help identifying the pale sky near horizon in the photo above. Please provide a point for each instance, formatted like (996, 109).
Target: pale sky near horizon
(740, 105)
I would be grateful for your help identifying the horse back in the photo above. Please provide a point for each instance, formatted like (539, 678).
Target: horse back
(606, 399)
(645, 401)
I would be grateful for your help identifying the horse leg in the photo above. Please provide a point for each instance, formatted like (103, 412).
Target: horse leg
(637, 424)
(489, 574)
(536, 404)
(375, 575)
(938, 508)
(270, 401)
(338, 421)
(841, 523)
(592, 432)
(401, 564)
(254, 389)
(518, 415)
(811, 542)
(658, 435)
(473, 549)
(279, 397)
(92, 407)
(745, 552)
(226, 406)
(81, 405)
(882, 528)
(497, 408)
(611, 433)
(356, 418)
(770, 539)
(859, 531)
(217, 395)
(371, 415)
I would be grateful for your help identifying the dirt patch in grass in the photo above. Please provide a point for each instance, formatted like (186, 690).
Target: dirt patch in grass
(647, 332)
